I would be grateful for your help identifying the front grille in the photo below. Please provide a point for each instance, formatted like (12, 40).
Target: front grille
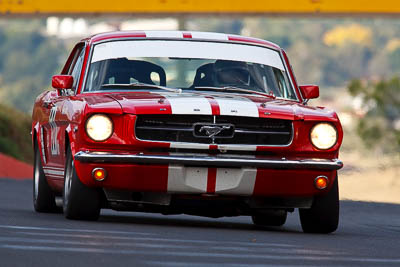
(185, 128)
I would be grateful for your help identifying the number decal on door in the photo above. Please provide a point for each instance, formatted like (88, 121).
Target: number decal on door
(55, 147)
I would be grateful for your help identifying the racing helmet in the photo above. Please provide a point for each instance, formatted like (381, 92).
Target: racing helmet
(233, 73)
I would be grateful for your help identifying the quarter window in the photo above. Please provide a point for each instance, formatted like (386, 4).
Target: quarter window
(76, 70)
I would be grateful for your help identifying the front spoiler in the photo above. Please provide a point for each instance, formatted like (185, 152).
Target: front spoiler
(209, 160)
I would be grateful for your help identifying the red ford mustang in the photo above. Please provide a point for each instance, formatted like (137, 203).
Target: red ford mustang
(185, 122)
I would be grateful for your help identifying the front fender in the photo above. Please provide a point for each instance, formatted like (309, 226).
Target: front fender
(71, 137)
(35, 132)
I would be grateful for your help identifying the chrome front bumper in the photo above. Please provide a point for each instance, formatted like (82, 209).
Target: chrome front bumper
(209, 160)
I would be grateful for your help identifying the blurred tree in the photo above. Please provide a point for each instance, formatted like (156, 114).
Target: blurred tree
(233, 26)
(379, 127)
(28, 60)
(394, 59)
(353, 33)
(14, 134)
(345, 63)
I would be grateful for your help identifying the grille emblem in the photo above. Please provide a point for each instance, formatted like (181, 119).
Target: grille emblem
(213, 131)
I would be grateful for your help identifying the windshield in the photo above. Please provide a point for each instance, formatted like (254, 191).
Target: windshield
(187, 65)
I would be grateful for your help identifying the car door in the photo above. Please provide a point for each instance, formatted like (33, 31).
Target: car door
(57, 106)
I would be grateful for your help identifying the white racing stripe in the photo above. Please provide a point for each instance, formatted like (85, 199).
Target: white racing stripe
(164, 34)
(237, 107)
(53, 172)
(209, 35)
(53, 168)
(181, 104)
(238, 147)
(207, 146)
(235, 181)
(189, 145)
(187, 179)
(179, 34)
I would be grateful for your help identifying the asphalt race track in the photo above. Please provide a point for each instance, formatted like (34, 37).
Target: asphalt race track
(369, 235)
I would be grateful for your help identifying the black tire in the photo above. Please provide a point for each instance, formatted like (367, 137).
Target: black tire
(79, 201)
(270, 218)
(43, 196)
(323, 216)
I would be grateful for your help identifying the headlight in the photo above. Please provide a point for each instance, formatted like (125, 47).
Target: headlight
(99, 127)
(323, 135)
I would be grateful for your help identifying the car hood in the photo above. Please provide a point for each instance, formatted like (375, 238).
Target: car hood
(229, 104)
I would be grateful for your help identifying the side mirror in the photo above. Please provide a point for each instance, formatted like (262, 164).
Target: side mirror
(309, 91)
(62, 82)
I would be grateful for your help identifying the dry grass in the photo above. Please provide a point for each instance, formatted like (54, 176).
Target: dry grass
(369, 178)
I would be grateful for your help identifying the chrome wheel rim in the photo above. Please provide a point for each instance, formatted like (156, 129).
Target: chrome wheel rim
(36, 179)
(67, 182)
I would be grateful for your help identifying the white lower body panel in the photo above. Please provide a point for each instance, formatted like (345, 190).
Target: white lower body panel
(227, 181)
(235, 181)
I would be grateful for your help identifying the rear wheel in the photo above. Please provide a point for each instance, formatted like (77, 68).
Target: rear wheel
(43, 196)
(323, 216)
(270, 218)
(79, 201)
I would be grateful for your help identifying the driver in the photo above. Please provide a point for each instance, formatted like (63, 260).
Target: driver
(235, 73)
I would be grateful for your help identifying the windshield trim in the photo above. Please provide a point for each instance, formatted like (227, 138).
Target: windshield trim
(92, 46)
(289, 77)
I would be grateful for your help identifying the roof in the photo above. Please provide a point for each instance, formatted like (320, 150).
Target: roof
(182, 35)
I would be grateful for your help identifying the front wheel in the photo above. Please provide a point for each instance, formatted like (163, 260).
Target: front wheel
(323, 216)
(79, 201)
(43, 196)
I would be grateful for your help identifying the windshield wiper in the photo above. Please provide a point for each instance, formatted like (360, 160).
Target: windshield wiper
(142, 86)
(233, 89)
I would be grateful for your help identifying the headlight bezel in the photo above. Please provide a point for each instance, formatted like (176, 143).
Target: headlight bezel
(104, 116)
(319, 124)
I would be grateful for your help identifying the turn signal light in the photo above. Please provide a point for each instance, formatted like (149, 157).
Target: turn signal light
(99, 174)
(321, 182)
